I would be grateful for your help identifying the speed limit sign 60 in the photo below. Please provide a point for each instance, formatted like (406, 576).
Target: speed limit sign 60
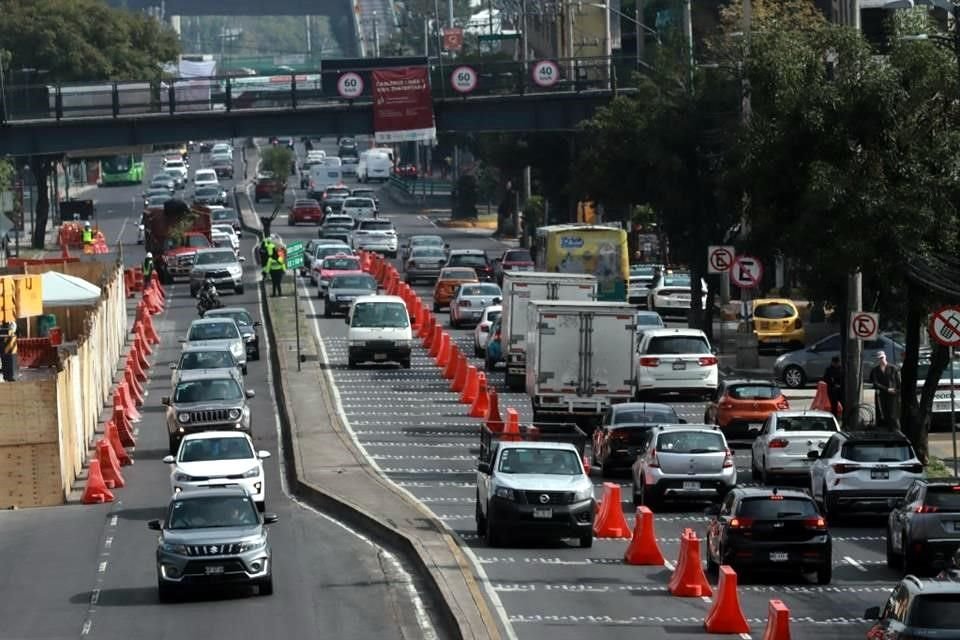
(350, 85)
(546, 73)
(463, 79)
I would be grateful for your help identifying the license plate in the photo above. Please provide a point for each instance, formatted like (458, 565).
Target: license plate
(774, 340)
(755, 426)
(379, 356)
(680, 302)
(212, 570)
(679, 366)
(543, 513)
(691, 485)
(879, 474)
(779, 556)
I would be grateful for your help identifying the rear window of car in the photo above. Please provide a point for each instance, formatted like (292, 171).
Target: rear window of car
(306, 204)
(936, 611)
(518, 256)
(353, 282)
(877, 451)
(458, 274)
(341, 264)
(767, 508)
(943, 498)
(774, 311)
(376, 225)
(641, 271)
(323, 252)
(468, 261)
(660, 417)
(433, 241)
(690, 442)
(677, 280)
(480, 290)
(676, 345)
(427, 252)
(648, 320)
(358, 202)
(806, 423)
(754, 392)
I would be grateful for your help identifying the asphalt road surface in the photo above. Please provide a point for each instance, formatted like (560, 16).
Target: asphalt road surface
(420, 436)
(89, 571)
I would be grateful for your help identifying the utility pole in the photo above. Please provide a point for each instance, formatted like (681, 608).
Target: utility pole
(309, 38)
(852, 380)
(450, 13)
(571, 64)
(688, 36)
(376, 37)
(523, 35)
(638, 24)
(608, 44)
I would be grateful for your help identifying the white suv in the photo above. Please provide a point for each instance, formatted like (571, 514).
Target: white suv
(216, 459)
(376, 234)
(205, 178)
(863, 471)
(675, 360)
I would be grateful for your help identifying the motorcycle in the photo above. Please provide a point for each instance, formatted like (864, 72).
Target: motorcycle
(209, 299)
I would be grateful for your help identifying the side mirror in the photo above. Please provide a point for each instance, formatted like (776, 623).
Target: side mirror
(346, 319)
(242, 259)
(586, 465)
(873, 613)
(483, 467)
(497, 300)
(154, 525)
(250, 393)
(813, 455)
(682, 421)
(270, 518)
(257, 323)
(169, 459)
(263, 455)
(165, 400)
(712, 510)
(173, 366)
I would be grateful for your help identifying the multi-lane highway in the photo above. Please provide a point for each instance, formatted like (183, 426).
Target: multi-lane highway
(417, 432)
(88, 571)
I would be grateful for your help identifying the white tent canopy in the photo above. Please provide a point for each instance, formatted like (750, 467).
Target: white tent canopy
(61, 290)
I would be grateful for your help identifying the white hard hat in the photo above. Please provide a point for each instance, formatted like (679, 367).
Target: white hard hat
(87, 223)
(149, 254)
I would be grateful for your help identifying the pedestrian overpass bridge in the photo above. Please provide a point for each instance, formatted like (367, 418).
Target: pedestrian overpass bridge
(44, 119)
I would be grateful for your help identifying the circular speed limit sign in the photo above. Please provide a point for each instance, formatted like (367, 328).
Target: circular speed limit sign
(546, 73)
(350, 85)
(463, 79)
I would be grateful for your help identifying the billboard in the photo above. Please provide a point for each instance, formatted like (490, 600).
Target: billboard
(402, 105)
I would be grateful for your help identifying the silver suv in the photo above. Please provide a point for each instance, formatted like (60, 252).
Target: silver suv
(222, 266)
(214, 536)
(206, 400)
(218, 333)
(683, 462)
(863, 471)
(195, 358)
(923, 530)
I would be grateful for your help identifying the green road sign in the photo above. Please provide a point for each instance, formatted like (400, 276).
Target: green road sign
(295, 255)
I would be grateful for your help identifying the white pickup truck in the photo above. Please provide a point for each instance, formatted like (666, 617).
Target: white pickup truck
(518, 289)
(535, 485)
(579, 358)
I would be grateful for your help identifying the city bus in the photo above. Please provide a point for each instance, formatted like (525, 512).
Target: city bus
(122, 169)
(599, 250)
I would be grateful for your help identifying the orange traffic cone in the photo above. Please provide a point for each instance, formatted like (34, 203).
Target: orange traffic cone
(610, 522)
(431, 335)
(472, 387)
(493, 419)
(643, 549)
(96, 490)
(141, 357)
(149, 331)
(133, 387)
(113, 437)
(425, 325)
(65, 254)
(511, 429)
(144, 343)
(124, 428)
(725, 615)
(109, 465)
(443, 353)
(459, 381)
(688, 578)
(450, 370)
(138, 371)
(128, 406)
(778, 621)
(482, 403)
(437, 343)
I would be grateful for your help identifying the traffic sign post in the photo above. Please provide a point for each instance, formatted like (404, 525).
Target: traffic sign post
(463, 79)
(546, 73)
(945, 329)
(746, 272)
(350, 85)
(719, 259)
(294, 262)
(864, 325)
(295, 255)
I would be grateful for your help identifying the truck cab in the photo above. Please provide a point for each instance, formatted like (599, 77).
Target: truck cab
(180, 255)
(534, 483)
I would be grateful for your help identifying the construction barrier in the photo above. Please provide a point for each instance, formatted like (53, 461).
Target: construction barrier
(726, 615)
(778, 621)
(821, 400)
(643, 549)
(35, 353)
(688, 579)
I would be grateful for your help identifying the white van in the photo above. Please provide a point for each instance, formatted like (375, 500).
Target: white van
(332, 161)
(386, 150)
(322, 177)
(380, 331)
(374, 165)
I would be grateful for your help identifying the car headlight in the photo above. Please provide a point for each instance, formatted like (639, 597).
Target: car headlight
(183, 417)
(234, 270)
(182, 477)
(504, 492)
(584, 494)
(179, 549)
(234, 414)
(253, 545)
(250, 337)
(252, 473)
(236, 349)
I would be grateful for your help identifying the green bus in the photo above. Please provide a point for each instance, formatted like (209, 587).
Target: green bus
(122, 169)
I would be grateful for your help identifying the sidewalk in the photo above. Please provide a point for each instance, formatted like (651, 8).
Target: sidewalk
(50, 239)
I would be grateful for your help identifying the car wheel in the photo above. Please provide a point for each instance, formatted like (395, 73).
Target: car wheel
(828, 513)
(794, 377)
(262, 506)
(165, 592)
(405, 363)
(765, 476)
(893, 558)
(713, 567)
(586, 541)
(454, 324)
(908, 562)
(326, 311)
(243, 369)
(477, 351)
(491, 535)
(291, 221)
(637, 497)
(265, 586)
(238, 289)
(193, 292)
(255, 355)
(488, 364)
(754, 473)
(648, 498)
(825, 573)
(478, 518)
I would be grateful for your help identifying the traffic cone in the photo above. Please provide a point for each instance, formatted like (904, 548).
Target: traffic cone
(65, 254)
(688, 578)
(128, 406)
(820, 402)
(725, 615)
(149, 331)
(425, 325)
(472, 387)
(511, 429)
(113, 437)
(124, 427)
(443, 353)
(144, 346)
(643, 549)
(450, 370)
(778, 621)
(140, 355)
(153, 304)
(493, 419)
(460, 378)
(138, 371)
(96, 490)
(431, 335)
(610, 522)
(437, 342)
(482, 403)
(132, 387)
(109, 465)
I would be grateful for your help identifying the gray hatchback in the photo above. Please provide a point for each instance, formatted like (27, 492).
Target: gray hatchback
(213, 537)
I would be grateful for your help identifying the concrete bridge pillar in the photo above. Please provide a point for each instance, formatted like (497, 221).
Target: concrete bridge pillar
(175, 23)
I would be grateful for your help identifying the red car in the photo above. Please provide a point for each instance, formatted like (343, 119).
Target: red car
(305, 211)
(407, 170)
(513, 260)
(265, 186)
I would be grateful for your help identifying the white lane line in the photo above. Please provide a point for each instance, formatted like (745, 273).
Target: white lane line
(577, 588)
(424, 622)
(855, 563)
(85, 629)
(108, 543)
(113, 521)
(744, 636)
(102, 567)
(334, 389)
(607, 621)
(95, 596)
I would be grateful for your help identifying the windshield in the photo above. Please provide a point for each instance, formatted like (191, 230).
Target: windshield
(223, 214)
(427, 252)
(936, 611)
(376, 225)
(158, 201)
(765, 508)
(240, 316)
(877, 451)
(323, 252)
(641, 271)
(175, 164)
(675, 345)
(806, 423)
(458, 274)
(943, 498)
(468, 261)
(366, 193)
(341, 264)
(214, 331)
(207, 360)
(518, 256)
(479, 290)
(774, 311)
(207, 191)
(205, 176)
(215, 449)
(338, 192)
(923, 367)
(648, 320)
(216, 257)
(554, 462)
(430, 241)
(690, 442)
(754, 392)
(212, 511)
(345, 221)
(677, 280)
(213, 390)
(358, 202)
(353, 282)
(645, 415)
(380, 314)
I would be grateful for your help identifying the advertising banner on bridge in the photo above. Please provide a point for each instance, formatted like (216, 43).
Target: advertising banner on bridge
(402, 105)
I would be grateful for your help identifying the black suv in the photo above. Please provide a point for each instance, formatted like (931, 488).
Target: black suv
(923, 529)
(773, 529)
(918, 609)
(475, 259)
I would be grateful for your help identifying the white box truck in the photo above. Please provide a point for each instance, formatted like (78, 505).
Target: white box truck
(579, 358)
(519, 288)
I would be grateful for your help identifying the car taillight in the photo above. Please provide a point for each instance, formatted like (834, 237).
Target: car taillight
(741, 523)
(842, 468)
(653, 462)
(913, 468)
(726, 405)
(778, 443)
(464, 303)
(484, 329)
(708, 361)
(618, 435)
(649, 362)
(783, 403)
(728, 459)
(798, 324)
(816, 522)
(496, 336)
(926, 508)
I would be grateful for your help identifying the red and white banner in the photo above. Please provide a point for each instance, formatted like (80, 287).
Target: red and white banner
(402, 105)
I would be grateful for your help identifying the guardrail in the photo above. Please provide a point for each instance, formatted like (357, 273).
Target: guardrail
(422, 187)
(448, 79)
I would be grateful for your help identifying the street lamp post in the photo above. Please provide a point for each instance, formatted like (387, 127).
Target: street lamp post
(637, 20)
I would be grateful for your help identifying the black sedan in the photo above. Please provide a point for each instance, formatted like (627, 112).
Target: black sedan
(769, 529)
(623, 430)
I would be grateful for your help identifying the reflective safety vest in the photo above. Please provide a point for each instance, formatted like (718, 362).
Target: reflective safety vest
(274, 264)
(147, 266)
(88, 236)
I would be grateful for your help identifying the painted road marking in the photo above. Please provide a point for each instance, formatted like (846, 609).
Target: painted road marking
(607, 561)
(855, 563)
(525, 587)
(659, 620)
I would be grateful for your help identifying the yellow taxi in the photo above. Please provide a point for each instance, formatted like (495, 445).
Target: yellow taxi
(777, 324)
(446, 287)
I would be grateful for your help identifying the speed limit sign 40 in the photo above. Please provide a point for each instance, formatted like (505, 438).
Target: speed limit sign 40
(350, 85)
(546, 73)
(463, 79)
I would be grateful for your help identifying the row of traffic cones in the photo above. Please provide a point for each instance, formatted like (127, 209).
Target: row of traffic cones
(104, 472)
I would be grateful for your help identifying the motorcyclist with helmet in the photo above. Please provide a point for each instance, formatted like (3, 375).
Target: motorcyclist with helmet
(209, 297)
